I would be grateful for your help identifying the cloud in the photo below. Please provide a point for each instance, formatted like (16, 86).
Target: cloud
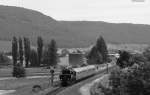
(108, 10)
(138, 0)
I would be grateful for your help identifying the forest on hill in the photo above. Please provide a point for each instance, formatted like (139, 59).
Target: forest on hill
(16, 21)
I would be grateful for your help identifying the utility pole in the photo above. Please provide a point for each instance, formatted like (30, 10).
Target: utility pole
(52, 76)
(107, 68)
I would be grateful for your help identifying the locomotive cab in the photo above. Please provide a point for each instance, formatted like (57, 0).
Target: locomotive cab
(67, 76)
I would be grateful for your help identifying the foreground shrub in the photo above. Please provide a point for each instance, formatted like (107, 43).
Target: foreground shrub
(125, 59)
(130, 81)
(36, 88)
(18, 71)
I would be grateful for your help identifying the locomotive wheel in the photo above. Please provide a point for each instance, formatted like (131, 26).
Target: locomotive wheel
(73, 81)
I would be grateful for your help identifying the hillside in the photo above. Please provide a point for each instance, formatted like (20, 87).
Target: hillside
(15, 21)
(113, 33)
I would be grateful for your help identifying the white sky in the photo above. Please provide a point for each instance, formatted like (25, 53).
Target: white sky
(93, 10)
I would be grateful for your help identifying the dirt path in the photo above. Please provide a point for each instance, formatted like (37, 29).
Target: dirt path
(85, 90)
(6, 92)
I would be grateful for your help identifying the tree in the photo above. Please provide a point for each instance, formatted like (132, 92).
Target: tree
(14, 50)
(33, 58)
(20, 51)
(40, 49)
(27, 51)
(45, 60)
(98, 53)
(132, 81)
(102, 48)
(139, 58)
(94, 57)
(146, 53)
(52, 49)
(125, 59)
(18, 71)
(52, 53)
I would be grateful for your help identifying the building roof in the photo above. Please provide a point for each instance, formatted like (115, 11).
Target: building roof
(84, 68)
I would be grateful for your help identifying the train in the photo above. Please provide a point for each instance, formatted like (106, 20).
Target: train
(69, 76)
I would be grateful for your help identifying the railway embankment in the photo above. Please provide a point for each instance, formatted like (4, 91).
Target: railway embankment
(92, 87)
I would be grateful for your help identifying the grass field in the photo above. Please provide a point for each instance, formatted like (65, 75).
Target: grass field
(23, 86)
(5, 46)
(7, 72)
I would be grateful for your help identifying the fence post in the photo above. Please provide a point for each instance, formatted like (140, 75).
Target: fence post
(52, 76)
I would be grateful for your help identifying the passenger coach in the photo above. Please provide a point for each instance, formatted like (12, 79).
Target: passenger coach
(71, 75)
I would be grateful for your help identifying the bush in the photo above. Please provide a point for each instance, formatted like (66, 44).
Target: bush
(125, 59)
(18, 71)
(36, 88)
(4, 60)
(134, 80)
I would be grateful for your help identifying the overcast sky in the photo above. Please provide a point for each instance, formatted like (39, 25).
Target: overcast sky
(93, 10)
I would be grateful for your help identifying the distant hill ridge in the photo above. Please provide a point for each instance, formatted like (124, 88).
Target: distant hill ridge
(16, 21)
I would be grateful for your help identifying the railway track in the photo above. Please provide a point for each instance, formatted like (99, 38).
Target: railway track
(60, 89)
(74, 89)
(56, 91)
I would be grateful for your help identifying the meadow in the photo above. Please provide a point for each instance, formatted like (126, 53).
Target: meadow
(5, 46)
(23, 86)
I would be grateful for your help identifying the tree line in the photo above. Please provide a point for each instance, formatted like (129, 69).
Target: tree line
(25, 56)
